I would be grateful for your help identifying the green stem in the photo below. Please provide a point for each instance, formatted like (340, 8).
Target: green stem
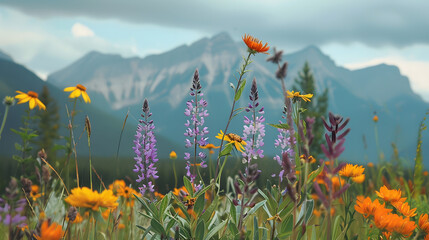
(4, 119)
(90, 164)
(175, 174)
(243, 71)
(70, 151)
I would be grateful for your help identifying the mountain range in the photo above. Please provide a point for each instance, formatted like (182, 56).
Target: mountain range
(119, 85)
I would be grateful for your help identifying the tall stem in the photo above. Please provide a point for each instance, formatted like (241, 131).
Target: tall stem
(71, 122)
(243, 71)
(4, 119)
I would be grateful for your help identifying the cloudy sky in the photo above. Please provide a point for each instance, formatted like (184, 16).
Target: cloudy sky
(47, 35)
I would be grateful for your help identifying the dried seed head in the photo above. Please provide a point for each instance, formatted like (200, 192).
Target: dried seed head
(26, 185)
(72, 213)
(88, 125)
(282, 71)
(276, 58)
(42, 154)
(46, 174)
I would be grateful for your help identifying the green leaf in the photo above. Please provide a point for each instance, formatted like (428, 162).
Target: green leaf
(199, 205)
(164, 204)
(281, 125)
(256, 207)
(255, 228)
(188, 186)
(157, 227)
(215, 230)
(199, 233)
(233, 228)
(208, 213)
(18, 147)
(203, 191)
(232, 211)
(315, 173)
(240, 90)
(227, 150)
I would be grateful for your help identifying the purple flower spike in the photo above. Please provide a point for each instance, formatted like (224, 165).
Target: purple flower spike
(254, 128)
(146, 152)
(195, 131)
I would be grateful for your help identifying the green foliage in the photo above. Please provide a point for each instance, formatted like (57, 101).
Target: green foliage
(48, 124)
(418, 163)
(317, 108)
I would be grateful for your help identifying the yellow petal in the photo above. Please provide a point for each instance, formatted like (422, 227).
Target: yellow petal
(76, 93)
(40, 104)
(69, 89)
(20, 96)
(24, 100)
(86, 97)
(32, 103)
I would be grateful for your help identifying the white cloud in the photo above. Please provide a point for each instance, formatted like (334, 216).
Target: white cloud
(416, 71)
(80, 30)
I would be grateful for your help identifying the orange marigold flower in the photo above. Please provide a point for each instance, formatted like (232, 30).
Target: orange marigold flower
(32, 98)
(117, 186)
(367, 208)
(359, 179)
(394, 223)
(424, 223)
(404, 208)
(350, 170)
(159, 195)
(370, 164)
(390, 195)
(128, 193)
(375, 118)
(317, 213)
(50, 232)
(77, 91)
(86, 198)
(255, 45)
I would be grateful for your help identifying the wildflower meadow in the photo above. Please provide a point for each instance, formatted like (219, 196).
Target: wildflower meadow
(307, 192)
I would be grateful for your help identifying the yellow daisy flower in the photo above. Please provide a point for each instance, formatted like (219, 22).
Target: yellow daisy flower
(233, 139)
(32, 98)
(77, 91)
(296, 95)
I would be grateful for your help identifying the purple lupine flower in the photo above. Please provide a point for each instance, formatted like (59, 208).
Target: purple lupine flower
(254, 128)
(195, 109)
(285, 141)
(146, 152)
(12, 208)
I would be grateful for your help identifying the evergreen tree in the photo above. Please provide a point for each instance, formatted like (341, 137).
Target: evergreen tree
(317, 108)
(48, 124)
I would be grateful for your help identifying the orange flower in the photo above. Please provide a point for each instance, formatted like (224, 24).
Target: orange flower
(233, 139)
(404, 208)
(34, 194)
(375, 118)
(390, 195)
(121, 226)
(370, 164)
(359, 179)
(424, 223)
(78, 218)
(85, 197)
(77, 91)
(32, 98)
(209, 146)
(425, 173)
(50, 232)
(128, 193)
(173, 155)
(255, 45)
(351, 170)
(393, 223)
(317, 213)
(159, 195)
(367, 208)
(117, 185)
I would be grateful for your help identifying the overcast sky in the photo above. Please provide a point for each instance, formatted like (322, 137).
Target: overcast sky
(47, 35)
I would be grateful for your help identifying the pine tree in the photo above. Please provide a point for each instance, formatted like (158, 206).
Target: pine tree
(317, 108)
(48, 124)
